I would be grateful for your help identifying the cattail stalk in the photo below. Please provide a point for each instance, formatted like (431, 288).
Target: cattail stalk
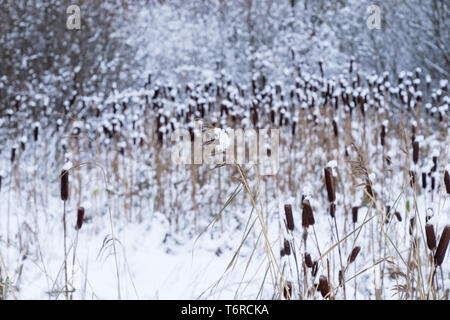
(64, 197)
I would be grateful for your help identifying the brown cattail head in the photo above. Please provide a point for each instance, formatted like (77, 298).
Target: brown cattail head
(447, 181)
(324, 288)
(308, 261)
(369, 190)
(64, 185)
(329, 181)
(289, 217)
(333, 210)
(36, 133)
(335, 128)
(398, 215)
(416, 151)
(412, 224)
(442, 246)
(341, 277)
(354, 254)
(287, 247)
(431, 237)
(80, 218)
(288, 290)
(424, 180)
(355, 214)
(382, 135)
(307, 214)
(412, 178)
(282, 253)
(13, 154)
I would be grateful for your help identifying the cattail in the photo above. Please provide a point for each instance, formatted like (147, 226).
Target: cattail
(329, 181)
(416, 151)
(13, 154)
(424, 180)
(287, 247)
(308, 261)
(382, 135)
(0, 183)
(333, 210)
(442, 246)
(388, 214)
(289, 217)
(36, 133)
(341, 277)
(282, 253)
(431, 237)
(369, 190)
(447, 181)
(64, 185)
(354, 254)
(412, 177)
(80, 218)
(355, 214)
(412, 223)
(433, 183)
(398, 215)
(307, 215)
(288, 290)
(433, 169)
(323, 286)
(335, 128)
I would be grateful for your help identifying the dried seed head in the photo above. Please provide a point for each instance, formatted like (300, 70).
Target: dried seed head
(289, 217)
(333, 210)
(308, 261)
(354, 254)
(329, 181)
(447, 181)
(424, 180)
(369, 190)
(335, 128)
(412, 223)
(13, 154)
(287, 247)
(80, 218)
(288, 290)
(323, 286)
(398, 215)
(36, 133)
(355, 214)
(412, 178)
(442, 246)
(282, 253)
(341, 277)
(307, 215)
(64, 185)
(416, 151)
(382, 135)
(431, 237)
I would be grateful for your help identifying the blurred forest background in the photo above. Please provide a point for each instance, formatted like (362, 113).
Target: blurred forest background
(121, 42)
